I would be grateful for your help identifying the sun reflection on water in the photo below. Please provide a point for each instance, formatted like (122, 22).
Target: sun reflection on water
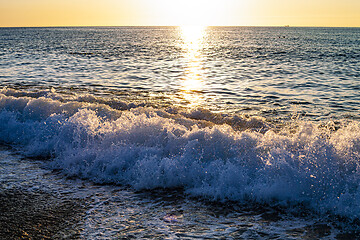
(192, 85)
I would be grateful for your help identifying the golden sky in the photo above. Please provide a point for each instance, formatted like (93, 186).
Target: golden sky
(332, 13)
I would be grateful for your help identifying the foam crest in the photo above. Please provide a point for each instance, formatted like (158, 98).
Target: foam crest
(148, 148)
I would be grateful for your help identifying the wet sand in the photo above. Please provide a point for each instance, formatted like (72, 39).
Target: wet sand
(40, 215)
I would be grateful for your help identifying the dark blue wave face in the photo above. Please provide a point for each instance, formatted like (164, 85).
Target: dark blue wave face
(272, 72)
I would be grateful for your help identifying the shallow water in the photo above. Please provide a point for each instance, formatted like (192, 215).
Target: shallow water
(116, 212)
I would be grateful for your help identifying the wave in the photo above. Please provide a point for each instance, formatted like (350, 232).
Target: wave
(214, 156)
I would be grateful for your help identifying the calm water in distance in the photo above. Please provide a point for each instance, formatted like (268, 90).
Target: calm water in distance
(274, 72)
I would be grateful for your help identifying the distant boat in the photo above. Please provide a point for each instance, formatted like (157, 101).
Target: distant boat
(286, 26)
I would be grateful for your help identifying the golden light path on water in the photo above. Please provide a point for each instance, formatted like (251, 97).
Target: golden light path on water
(193, 81)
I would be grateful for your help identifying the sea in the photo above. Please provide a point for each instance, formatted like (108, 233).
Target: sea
(187, 132)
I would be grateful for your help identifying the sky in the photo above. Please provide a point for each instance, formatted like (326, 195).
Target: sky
(331, 13)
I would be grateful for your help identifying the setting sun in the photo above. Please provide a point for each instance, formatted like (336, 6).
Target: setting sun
(189, 12)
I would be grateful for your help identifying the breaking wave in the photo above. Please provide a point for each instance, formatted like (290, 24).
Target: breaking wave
(214, 156)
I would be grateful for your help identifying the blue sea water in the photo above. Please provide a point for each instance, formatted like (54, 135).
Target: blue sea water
(242, 114)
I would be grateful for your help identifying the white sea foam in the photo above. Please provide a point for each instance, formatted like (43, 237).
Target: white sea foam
(148, 148)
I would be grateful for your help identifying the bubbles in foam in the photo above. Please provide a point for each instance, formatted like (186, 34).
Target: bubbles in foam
(214, 156)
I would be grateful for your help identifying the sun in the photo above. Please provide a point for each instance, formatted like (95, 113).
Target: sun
(188, 12)
(195, 13)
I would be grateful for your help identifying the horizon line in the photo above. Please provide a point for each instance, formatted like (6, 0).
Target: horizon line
(285, 26)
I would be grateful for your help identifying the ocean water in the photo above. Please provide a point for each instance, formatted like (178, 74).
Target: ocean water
(237, 117)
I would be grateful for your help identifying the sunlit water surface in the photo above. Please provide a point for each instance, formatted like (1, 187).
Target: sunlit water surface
(272, 72)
